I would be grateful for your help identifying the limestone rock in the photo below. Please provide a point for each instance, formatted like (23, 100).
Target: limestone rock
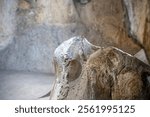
(137, 22)
(36, 27)
(69, 58)
(34, 31)
(136, 12)
(84, 71)
(105, 24)
(117, 75)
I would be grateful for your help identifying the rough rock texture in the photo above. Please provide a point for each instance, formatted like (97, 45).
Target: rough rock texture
(69, 58)
(7, 22)
(30, 30)
(137, 22)
(104, 22)
(37, 32)
(117, 75)
(146, 39)
(136, 12)
(108, 73)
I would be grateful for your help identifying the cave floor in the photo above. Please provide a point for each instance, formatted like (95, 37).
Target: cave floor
(16, 85)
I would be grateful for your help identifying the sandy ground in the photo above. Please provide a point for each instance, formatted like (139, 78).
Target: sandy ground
(24, 85)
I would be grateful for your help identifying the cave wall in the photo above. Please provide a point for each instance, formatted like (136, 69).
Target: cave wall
(40, 26)
(34, 28)
(7, 16)
(7, 22)
(137, 22)
(105, 23)
(146, 38)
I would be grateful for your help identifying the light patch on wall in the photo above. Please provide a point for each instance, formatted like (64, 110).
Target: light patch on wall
(24, 5)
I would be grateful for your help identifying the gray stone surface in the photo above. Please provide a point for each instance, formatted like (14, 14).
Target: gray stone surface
(33, 49)
(24, 85)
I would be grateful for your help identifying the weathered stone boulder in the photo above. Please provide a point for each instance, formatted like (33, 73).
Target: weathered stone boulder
(85, 71)
(69, 59)
(113, 74)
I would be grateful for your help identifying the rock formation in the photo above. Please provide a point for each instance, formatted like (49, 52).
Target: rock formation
(30, 30)
(137, 22)
(69, 58)
(85, 71)
(117, 75)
